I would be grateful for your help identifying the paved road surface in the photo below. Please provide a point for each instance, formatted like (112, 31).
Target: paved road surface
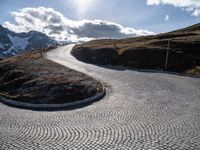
(140, 111)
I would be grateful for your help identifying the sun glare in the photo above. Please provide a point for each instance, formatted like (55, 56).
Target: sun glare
(82, 6)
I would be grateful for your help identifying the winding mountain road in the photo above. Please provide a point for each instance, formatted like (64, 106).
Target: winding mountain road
(142, 110)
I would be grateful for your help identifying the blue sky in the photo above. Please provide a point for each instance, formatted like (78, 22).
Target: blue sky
(130, 13)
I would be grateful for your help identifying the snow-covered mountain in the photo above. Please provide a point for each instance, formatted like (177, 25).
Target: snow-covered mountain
(12, 43)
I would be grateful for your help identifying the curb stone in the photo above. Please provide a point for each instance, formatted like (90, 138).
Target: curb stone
(67, 106)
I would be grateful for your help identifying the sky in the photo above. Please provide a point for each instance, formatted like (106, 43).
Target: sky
(82, 20)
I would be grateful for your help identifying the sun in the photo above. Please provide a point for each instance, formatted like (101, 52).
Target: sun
(82, 6)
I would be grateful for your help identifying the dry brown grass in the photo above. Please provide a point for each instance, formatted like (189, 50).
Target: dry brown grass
(147, 52)
(32, 79)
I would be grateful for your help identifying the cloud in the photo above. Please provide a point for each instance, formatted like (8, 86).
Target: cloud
(59, 27)
(191, 6)
(167, 18)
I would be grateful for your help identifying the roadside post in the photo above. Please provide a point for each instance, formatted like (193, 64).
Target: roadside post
(114, 44)
(167, 55)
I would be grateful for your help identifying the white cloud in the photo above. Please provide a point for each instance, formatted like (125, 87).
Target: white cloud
(196, 12)
(56, 25)
(192, 6)
(153, 2)
(167, 18)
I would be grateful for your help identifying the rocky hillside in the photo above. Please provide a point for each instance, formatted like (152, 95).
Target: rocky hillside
(31, 78)
(147, 52)
(12, 43)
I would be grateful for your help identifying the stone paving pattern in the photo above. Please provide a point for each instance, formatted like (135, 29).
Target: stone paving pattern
(140, 111)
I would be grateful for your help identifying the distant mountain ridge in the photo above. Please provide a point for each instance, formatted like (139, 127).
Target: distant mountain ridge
(194, 29)
(12, 43)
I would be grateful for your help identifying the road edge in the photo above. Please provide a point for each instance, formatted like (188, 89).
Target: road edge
(65, 106)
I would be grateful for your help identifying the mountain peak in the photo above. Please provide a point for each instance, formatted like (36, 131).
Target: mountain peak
(2, 28)
(34, 32)
(12, 43)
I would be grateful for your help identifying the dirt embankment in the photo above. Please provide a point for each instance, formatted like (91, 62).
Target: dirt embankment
(147, 52)
(31, 78)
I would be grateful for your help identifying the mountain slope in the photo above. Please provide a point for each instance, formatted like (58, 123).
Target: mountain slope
(30, 78)
(12, 43)
(147, 52)
(194, 29)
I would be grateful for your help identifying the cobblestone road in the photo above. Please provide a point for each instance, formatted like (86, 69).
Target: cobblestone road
(140, 111)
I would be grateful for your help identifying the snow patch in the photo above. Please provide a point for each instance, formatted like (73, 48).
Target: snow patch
(18, 42)
(1, 46)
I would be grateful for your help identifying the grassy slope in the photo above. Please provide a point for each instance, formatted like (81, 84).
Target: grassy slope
(147, 52)
(32, 79)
